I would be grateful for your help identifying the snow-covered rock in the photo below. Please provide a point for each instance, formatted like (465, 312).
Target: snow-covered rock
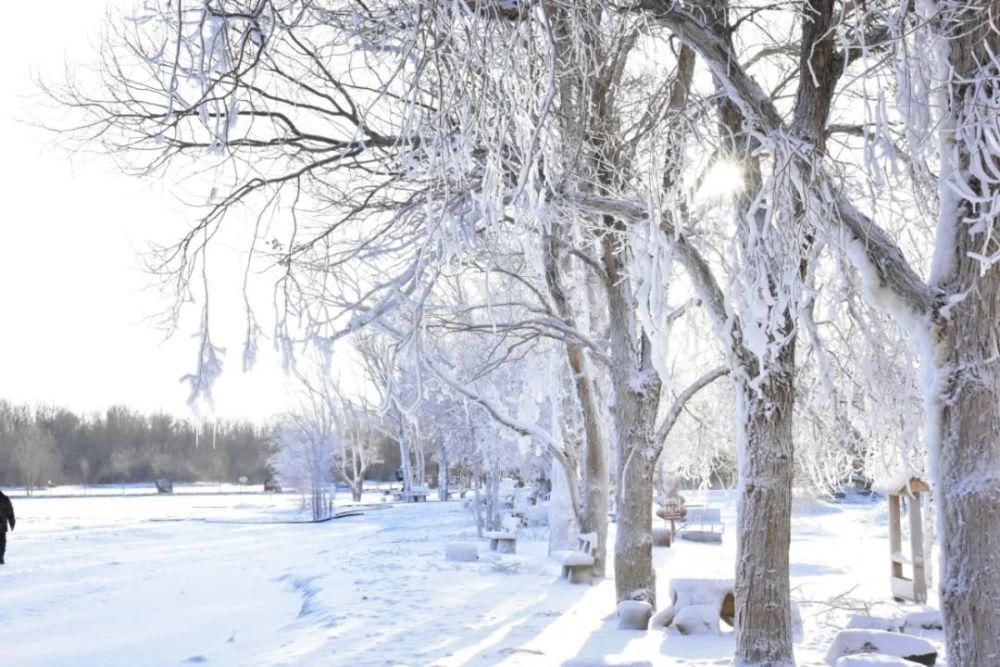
(850, 642)
(922, 622)
(698, 619)
(634, 615)
(461, 552)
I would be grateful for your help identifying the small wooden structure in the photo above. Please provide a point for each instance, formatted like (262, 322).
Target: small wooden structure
(672, 510)
(915, 587)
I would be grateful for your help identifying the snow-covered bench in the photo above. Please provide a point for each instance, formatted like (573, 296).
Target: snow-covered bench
(505, 540)
(697, 605)
(414, 495)
(703, 524)
(869, 644)
(578, 566)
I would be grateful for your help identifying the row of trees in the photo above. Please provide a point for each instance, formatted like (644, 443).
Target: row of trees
(41, 445)
(573, 218)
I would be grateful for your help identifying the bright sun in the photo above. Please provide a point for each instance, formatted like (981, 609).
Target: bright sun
(722, 180)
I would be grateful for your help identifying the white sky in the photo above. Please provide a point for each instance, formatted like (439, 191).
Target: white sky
(73, 296)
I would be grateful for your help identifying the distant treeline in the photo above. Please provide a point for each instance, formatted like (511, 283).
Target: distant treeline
(39, 445)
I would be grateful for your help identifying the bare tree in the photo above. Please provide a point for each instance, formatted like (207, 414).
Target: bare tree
(35, 455)
(360, 428)
(305, 445)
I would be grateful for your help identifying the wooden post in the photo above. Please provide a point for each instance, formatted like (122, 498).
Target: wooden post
(913, 587)
(895, 537)
(917, 551)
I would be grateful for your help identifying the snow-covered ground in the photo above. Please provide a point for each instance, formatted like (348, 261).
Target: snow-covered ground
(194, 579)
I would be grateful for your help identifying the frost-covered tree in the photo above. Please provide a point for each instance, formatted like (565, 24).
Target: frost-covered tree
(949, 315)
(35, 455)
(360, 428)
(305, 444)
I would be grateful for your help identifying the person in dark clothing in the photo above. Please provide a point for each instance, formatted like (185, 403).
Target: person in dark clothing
(6, 517)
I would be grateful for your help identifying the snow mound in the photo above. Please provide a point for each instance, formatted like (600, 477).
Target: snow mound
(461, 552)
(850, 642)
(698, 619)
(700, 591)
(634, 615)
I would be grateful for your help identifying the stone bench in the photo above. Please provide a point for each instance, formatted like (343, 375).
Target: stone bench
(578, 566)
(415, 496)
(504, 541)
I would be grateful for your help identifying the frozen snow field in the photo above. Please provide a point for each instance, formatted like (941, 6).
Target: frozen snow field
(218, 580)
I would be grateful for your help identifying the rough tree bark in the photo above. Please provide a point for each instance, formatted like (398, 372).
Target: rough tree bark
(636, 398)
(637, 389)
(965, 413)
(964, 392)
(763, 616)
(765, 399)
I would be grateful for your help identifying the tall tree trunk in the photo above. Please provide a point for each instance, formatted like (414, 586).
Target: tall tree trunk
(404, 453)
(420, 468)
(635, 578)
(477, 505)
(492, 497)
(637, 394)
(563, 525)
(763, 612)
(966, 417)
(442, 473)
(964, 394)
(593, 515)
